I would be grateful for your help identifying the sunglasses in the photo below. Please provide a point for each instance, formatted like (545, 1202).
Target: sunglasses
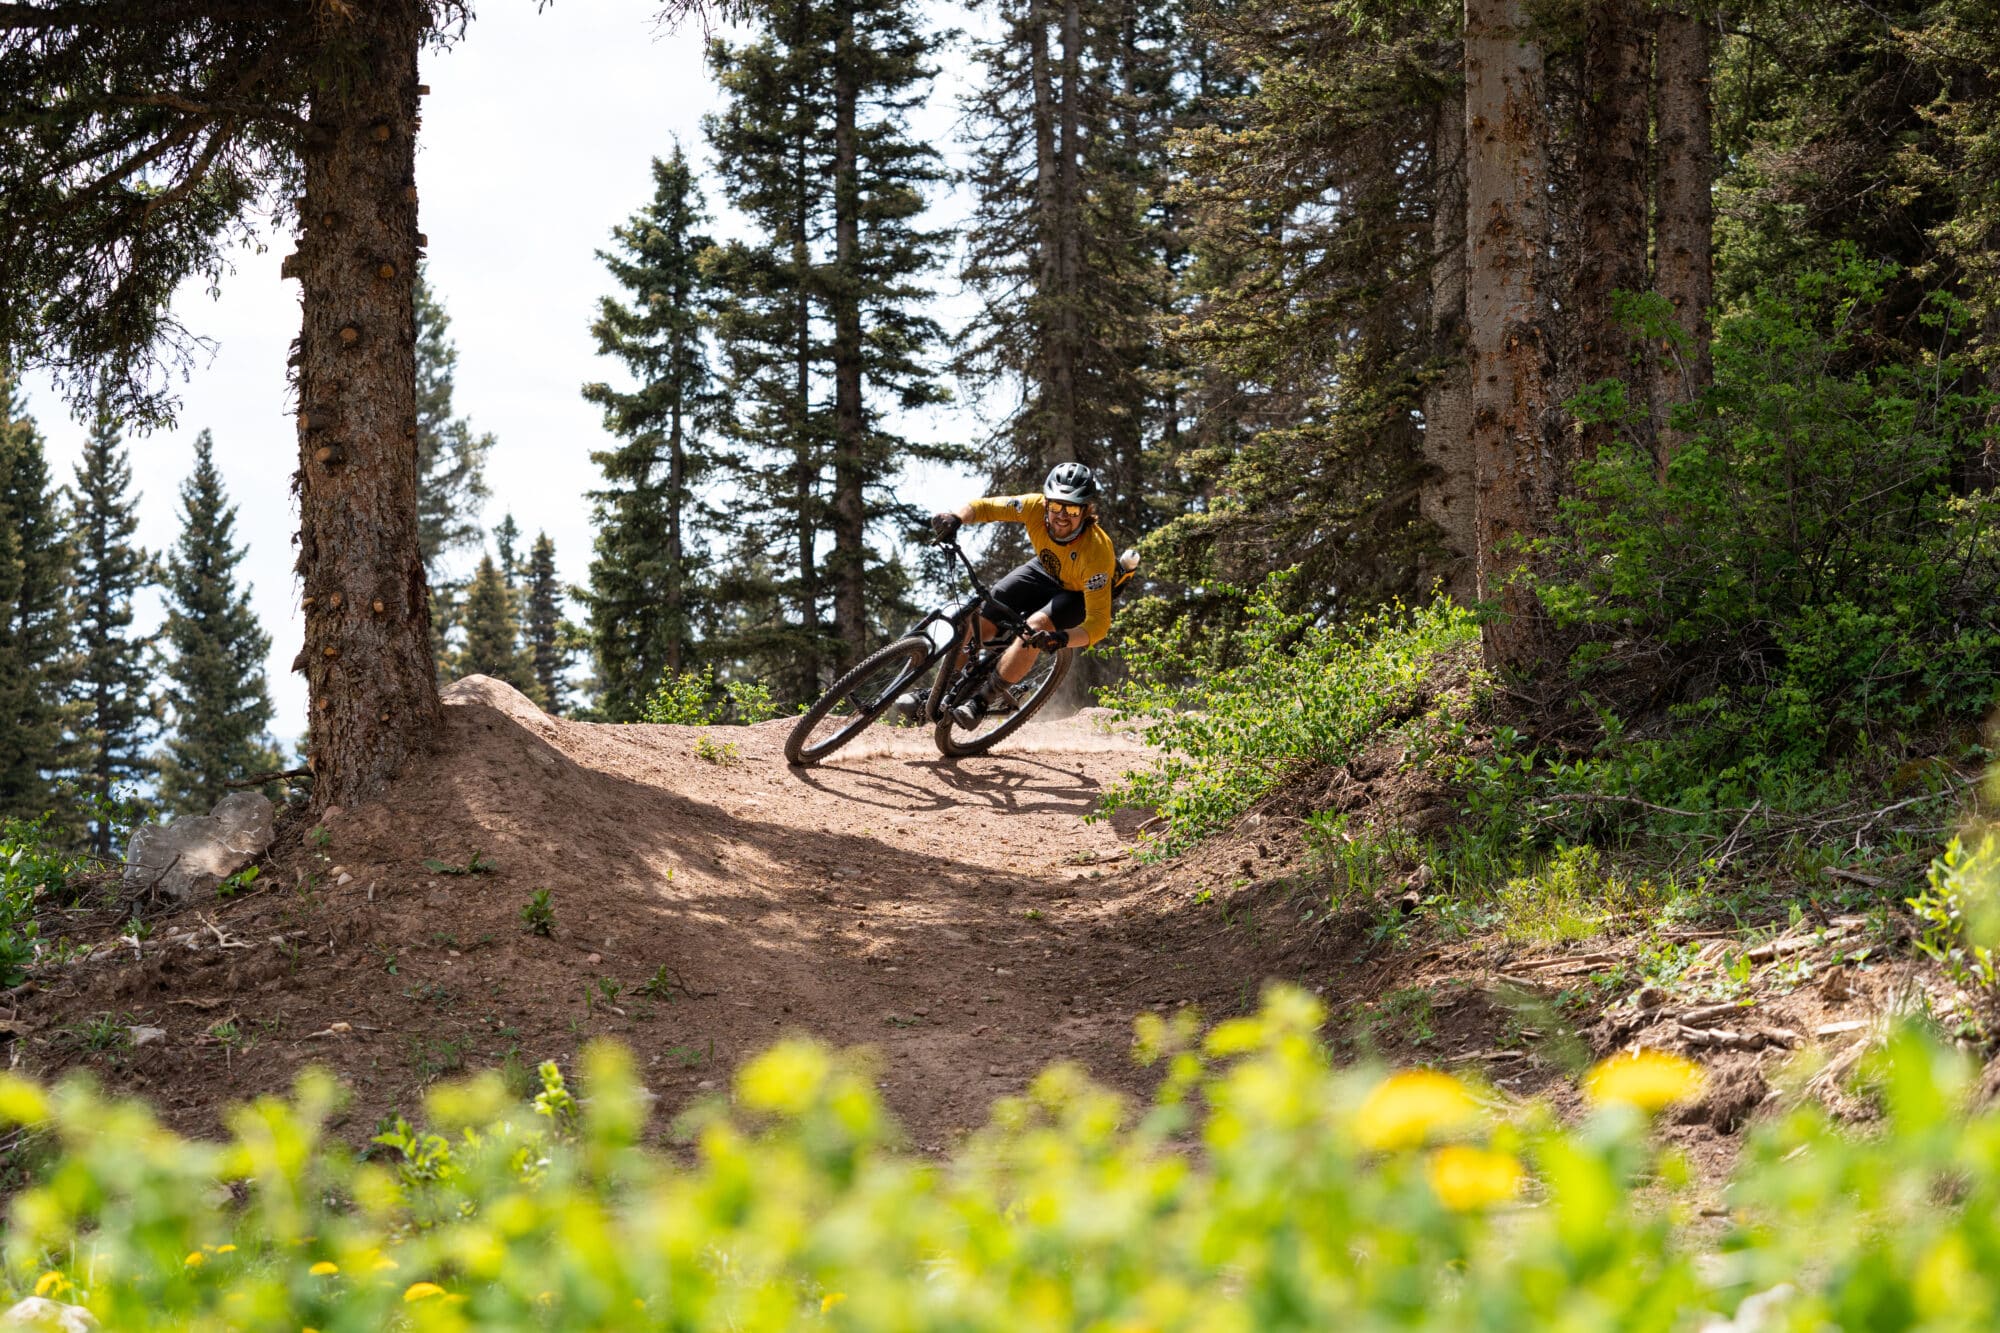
(1060, 509)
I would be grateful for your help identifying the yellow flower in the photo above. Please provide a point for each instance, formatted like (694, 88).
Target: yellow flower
(308, 1329)
(383, 1263)
(1467, 1178)
(324, 1268)
(831, 1299)
(51, 1283)
(421, 1291)
(225, 1249)
(1408, 1108)
(195, 1259)
(1650, 1080)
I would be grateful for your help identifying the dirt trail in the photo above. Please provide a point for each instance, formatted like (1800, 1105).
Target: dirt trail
(960, 919)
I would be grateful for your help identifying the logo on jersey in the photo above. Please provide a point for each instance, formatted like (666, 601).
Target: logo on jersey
(1015, 504)
(1051, 562)
(1096, 581)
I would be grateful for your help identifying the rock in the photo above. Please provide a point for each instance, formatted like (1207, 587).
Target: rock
(198, 852)
(1732, 1094)
(1763, 1312)
(43, 1313)
(144, 1036)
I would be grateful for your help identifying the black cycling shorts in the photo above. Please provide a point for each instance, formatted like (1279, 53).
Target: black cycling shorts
(1031, 588)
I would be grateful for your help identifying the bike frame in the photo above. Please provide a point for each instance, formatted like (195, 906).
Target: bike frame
(964, 622)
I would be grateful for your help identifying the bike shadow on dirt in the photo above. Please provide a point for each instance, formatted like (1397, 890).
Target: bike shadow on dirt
(1017, 784)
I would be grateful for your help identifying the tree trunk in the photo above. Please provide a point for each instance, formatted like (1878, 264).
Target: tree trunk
(1446, 499)
(1507, 233)
(1069, 240)
(1684, 225)
(1611, 178)
(1048, 254)
(676, 591)
(366, 660)
(805, 449)
(850, 448)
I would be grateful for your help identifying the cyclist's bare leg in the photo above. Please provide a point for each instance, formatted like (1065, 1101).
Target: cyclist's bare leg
(1019, 658)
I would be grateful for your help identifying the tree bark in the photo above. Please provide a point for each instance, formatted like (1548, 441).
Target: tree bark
(1507, 233)
(850, 448)
(366, 660)
(1048, 255)
(676, 591)
(1684, 219)
(1611, 176)
(1069, 240)
(1446, 499)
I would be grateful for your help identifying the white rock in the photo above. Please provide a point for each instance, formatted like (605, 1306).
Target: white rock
(43, 1313)
(144, 1036)
(1762, 1312)
(198, 852)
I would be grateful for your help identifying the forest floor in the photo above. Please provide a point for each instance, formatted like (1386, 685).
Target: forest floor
(963, 922)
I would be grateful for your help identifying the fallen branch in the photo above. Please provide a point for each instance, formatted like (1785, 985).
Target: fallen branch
(275, 775)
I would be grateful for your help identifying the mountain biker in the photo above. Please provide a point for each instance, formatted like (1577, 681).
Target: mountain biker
(1064, 592)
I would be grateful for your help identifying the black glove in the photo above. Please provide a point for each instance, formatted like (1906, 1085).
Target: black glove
(1047, 640)
(945, 526)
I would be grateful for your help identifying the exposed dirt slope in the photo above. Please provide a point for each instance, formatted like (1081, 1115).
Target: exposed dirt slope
(962, 919)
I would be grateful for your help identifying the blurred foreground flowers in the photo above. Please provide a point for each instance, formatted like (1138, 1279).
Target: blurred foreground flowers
(1263, 1190)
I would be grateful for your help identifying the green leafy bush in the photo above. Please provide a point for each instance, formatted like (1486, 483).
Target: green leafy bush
(1300, 694)
(695, 699)
(1263, 1189)
(1813, 566)
(34, 866)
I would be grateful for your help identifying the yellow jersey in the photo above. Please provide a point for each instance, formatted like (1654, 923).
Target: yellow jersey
(1088, 564)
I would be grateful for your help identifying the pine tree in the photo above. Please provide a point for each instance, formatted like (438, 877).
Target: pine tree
(114, 716)
(451, 466)
(814, 152)
(1318, 248)
(507, 541)
(548, 637)
(159, 132)
(220, 704)
(645, 593)
(34, 634)
(493, 633)
(1070, 248)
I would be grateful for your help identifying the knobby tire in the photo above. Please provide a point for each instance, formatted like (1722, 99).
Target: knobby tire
(953, 747)
(915, 649)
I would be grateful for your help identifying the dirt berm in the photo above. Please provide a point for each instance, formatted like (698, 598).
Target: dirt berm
(963, 920)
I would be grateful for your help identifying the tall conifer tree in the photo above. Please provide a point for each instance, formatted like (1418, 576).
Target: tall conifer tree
(1070, 247)
(113, 714)
(507, 541)
(216, 689)
(645, 591)
(493, 633)
(548, 638)
(814, 150)
(34, 634)
(451, 466)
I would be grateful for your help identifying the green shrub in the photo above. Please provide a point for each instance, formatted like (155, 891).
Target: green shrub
(1812, 567)
(695, 699)
(1264, 1189)
(34, 866)
(1302, 694)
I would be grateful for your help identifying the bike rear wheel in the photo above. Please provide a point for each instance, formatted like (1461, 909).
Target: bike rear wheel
(856, 700)
(955, 741)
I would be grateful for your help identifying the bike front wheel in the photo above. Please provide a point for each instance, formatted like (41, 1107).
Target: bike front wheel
(956, 741)
(857, 699)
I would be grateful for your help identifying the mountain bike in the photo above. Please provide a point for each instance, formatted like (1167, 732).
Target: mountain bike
(948, 640)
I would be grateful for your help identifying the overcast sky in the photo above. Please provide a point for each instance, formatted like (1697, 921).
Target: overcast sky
(537, 139)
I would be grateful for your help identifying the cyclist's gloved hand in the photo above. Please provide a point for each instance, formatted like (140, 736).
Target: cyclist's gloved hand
(946, 525)
(1047, 640)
